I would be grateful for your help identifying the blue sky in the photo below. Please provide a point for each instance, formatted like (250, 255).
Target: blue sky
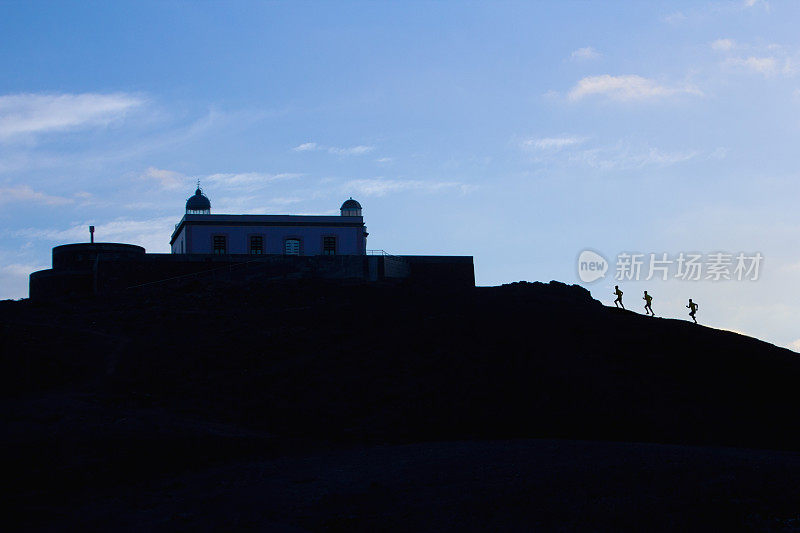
(519, 133)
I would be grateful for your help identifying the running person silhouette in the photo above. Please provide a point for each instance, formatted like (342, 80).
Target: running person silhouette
(648, 304)
(619, 297)
(692, 309)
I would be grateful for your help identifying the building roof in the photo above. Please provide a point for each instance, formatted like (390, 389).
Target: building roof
(266, 220)
(351, 204)
(198, 202)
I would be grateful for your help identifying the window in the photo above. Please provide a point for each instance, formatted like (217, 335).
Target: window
(256, 245)
(220, 244)
(292, 247)
(329, 246)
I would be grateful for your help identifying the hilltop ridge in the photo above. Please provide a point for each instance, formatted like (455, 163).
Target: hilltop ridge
(154, 380)
(388, 363)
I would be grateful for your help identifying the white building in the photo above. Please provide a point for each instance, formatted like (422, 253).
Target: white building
(200, 232)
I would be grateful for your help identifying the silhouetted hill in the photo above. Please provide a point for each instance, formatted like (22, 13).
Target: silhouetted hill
(122, 390)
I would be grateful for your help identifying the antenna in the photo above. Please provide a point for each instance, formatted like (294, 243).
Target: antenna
(91, 234)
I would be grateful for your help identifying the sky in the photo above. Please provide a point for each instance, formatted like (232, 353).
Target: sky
(519, 133)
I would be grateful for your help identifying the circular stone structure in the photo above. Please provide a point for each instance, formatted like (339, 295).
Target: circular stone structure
(83, 255)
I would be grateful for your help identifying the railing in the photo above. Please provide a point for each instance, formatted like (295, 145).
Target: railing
(229, 266)
(384, 253)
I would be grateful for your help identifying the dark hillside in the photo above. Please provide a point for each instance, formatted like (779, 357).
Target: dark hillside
(395, 365)
(102, 392)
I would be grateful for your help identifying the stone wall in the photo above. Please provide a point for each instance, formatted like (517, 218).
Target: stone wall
(441, 270)
(85, 269)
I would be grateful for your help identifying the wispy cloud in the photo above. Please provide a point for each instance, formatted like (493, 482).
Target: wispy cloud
(623, 157)
(756, 3)
(381, 186)
(305, 147)
(19, 269)
(102, 154)
(585, 53)
(768, 60)
(286, 200)
(620, 156)
(14, 274)
(16, 264)
(713, 11)
(247, 180)
(352, 150)
(625, 88)
(552, 143)
(172, 180)
(767, 66)
(723, 45)
(675, 17)
(794, 345)
(167, 179)
(30, 114)
(255, 204)
(151, 233)
(25, 194)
